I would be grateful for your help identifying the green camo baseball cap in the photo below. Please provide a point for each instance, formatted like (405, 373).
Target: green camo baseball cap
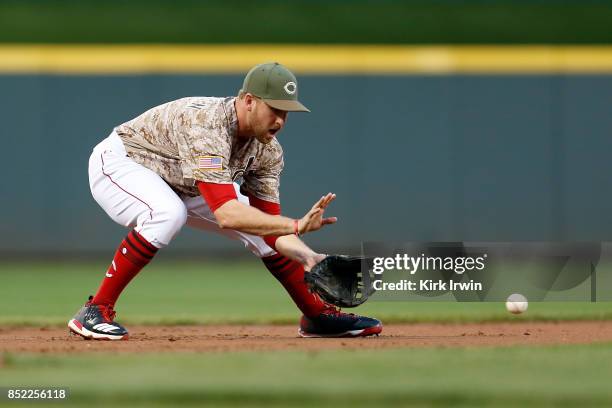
(276, 85)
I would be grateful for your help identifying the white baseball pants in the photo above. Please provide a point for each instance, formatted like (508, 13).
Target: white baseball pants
(136, 197)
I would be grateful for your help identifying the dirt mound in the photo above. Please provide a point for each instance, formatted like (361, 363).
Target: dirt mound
(260, 337)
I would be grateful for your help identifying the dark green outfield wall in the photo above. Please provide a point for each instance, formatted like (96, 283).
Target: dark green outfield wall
(410, 157)
(308, 21)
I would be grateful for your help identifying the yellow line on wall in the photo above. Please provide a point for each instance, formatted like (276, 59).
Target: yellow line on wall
(305, 59)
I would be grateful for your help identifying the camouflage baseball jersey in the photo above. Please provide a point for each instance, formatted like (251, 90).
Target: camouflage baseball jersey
(196, 139)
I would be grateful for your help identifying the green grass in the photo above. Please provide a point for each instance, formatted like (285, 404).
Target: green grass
(190, 292)
(518, 376)
(243, 291)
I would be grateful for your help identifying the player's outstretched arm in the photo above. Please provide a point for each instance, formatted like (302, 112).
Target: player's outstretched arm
(294, 248)
(241, 217)
(314, 220)
(249, 219)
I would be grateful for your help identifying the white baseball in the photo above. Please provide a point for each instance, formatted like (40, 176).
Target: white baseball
(516, 303)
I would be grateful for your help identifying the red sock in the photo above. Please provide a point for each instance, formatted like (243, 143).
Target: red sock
(291, 275)
(131, 256)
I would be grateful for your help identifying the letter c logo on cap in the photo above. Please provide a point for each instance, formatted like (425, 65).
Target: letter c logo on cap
(290, 87)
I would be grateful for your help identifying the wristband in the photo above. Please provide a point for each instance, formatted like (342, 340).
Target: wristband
(296, 229)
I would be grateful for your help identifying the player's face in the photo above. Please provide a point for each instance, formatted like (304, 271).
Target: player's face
(266, 121)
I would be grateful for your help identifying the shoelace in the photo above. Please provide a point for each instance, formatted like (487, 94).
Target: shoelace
(107, 312)
(336, 311)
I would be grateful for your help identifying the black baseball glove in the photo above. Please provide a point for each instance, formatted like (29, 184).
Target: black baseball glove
(344, 281)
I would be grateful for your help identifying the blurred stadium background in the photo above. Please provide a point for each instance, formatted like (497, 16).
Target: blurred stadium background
(439, 120)
(429, 137)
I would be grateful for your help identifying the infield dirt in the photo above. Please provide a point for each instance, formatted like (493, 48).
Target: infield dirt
(229, 338)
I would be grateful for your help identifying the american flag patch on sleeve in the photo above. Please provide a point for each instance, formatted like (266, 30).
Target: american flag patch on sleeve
(210, 163)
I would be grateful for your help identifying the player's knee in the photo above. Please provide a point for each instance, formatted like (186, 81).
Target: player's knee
(177, 215)
(173, 216)
(165, 221)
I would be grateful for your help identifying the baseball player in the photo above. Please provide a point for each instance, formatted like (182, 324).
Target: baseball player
(213, 164)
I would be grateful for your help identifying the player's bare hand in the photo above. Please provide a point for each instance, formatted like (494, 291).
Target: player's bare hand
(314, 219)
